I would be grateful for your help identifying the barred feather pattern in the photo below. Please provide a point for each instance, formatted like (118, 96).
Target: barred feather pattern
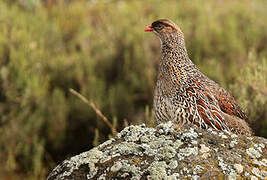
(184, 95)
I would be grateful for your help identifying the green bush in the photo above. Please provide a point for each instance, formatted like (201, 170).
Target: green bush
(251, 90)
(99, 48)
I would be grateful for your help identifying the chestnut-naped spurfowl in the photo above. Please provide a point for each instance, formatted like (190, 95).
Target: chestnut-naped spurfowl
(184, 95)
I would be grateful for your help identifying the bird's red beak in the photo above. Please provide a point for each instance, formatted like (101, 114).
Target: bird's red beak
(149, 28)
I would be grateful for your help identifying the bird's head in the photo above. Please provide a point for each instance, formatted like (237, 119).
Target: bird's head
(164, 28)
(169, 34)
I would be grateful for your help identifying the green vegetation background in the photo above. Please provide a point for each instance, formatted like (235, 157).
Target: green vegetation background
(99, 48)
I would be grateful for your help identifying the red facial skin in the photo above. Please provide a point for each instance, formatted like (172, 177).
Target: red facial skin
(149, 28)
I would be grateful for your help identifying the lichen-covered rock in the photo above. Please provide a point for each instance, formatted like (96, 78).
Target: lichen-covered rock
(139, 152)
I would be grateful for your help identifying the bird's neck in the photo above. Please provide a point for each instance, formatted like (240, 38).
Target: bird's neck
(174, 42)
(173, 49)
(175, 65)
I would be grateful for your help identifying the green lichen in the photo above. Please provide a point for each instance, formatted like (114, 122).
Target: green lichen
(157, 170)
(141, 152)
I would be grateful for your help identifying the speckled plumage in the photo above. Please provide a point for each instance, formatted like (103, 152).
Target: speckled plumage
(184, 95)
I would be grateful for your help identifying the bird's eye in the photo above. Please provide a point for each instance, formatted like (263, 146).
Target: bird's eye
(160, 26)
(157, 25)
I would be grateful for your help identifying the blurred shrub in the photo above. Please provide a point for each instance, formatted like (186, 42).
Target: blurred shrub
(251, 90)
(99, 48)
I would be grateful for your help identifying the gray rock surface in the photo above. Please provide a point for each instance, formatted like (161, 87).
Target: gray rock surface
(169, 152)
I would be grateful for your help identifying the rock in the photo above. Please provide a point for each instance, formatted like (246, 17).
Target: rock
(139, 152)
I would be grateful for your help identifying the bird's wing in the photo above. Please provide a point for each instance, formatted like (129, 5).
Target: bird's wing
(207, 107)
(226, 102)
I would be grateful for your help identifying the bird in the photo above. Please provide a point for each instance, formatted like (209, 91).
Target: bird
(184, 95)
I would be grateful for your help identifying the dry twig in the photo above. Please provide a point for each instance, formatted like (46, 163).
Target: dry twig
(98, 112)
